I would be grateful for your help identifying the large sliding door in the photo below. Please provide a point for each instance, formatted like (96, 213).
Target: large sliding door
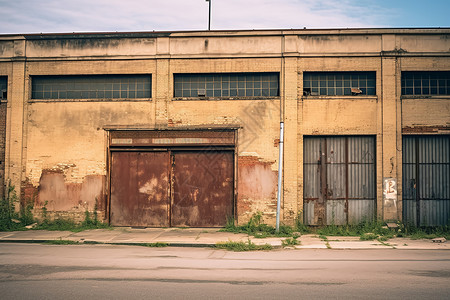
(426, 180)
(172, 188)
(139, 189)
(339, 180)
(202, 188)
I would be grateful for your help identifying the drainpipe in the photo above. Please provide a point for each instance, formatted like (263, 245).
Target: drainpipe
(280, 175)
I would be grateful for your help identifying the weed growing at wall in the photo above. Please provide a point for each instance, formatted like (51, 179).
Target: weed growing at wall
(366, 230)
(90, 222)
(26, 213)
(415, 233)
(9, 218)
(300, 227)
(7, 210)
(257, 228)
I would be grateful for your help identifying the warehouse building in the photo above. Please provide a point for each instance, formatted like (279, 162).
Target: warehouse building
(160, 129)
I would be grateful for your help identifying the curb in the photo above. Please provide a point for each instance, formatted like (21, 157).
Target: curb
(152, 245)
(189, 245)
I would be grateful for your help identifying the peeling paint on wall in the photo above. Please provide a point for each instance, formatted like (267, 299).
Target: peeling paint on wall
(257, 184)
(66, 196)
(426, 129)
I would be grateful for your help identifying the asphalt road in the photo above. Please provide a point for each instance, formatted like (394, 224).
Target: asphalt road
(32, 271)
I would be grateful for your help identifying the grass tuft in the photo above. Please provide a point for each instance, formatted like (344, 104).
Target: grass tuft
(290, 242)
(61, 242)
(242, 246)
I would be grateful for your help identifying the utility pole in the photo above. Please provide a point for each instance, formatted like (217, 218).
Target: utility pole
(209, 19)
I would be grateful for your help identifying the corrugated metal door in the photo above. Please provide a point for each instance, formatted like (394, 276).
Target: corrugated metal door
(202, 188)
(139, 189)
(426, 180)
(339, 180)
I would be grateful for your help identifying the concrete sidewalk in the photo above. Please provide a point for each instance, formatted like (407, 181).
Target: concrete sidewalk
(208, 237)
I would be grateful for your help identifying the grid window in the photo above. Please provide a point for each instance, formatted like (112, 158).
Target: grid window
(227, 85)
(3, 87)
(91, 87)
(426, 83)
(339, 83)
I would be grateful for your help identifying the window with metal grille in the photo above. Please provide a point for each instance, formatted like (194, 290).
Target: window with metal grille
(227, 85)
(3, 87)
(91, 87)
(427, 83)
(339, 83)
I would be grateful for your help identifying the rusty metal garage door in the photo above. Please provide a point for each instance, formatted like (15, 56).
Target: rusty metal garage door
(339, 180)
(172, 188)
(202, 188)
(139, 189)
(426, 180)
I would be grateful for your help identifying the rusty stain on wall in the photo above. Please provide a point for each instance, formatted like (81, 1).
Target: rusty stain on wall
(425, 129)
(65, 196)
(257, 184)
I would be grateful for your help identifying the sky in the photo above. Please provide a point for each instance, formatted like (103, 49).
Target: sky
(61, 16)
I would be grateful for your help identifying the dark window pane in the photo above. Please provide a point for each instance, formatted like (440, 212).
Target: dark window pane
(91, 86)
(224, 85)
(425, 83)
(417, 91)
(339, 83)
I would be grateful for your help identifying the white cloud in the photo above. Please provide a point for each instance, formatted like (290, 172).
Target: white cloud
(26, 16)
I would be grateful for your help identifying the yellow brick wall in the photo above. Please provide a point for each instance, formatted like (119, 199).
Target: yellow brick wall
(69, 137)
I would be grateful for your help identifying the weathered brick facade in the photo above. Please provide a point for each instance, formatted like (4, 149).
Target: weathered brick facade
(57, 151)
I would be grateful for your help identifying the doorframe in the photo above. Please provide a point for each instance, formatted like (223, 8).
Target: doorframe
(227, 147)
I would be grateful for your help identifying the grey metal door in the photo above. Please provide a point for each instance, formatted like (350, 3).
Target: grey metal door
(339, 180)
(426, 180)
